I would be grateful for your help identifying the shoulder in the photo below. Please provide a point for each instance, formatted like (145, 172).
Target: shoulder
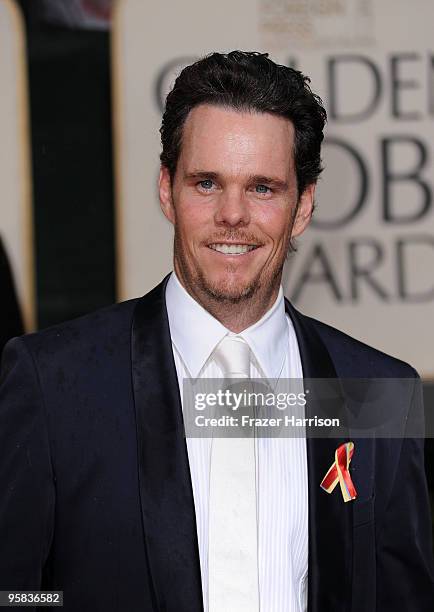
(103, 330)
(353, 357)
(96, 340)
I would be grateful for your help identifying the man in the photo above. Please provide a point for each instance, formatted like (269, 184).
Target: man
(104, 498)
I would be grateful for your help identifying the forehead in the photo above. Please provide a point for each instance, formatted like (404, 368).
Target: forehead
(226, 140)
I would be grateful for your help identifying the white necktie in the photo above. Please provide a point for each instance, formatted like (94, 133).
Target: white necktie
(233, 540)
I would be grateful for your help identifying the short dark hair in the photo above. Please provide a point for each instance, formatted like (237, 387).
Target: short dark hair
(247, 81)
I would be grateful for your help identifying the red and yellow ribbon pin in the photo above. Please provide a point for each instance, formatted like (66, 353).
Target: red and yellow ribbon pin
(338, 472)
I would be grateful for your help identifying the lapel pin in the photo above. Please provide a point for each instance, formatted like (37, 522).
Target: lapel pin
(338, 472)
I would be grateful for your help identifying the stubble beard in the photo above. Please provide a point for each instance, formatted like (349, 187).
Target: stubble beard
(224, 293)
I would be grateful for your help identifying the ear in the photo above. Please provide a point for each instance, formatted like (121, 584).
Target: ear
(304, 211)
(165, 192)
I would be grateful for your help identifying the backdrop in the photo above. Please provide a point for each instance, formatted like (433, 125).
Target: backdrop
(16, 222)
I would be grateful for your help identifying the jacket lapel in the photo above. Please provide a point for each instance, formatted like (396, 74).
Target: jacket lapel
(167, 505)
(330, 519)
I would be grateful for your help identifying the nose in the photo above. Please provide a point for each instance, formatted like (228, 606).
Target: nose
(232, 209)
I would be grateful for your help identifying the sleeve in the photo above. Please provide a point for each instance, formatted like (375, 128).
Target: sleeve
(405, 567)
(27, 492)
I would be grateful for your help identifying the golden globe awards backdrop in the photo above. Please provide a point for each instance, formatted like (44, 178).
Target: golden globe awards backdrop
(366, 265)
(16, 216)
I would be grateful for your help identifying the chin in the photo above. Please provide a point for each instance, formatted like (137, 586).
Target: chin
(229, 290)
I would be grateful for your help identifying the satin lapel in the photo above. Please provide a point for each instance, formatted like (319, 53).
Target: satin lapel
(330, 518)
(167, 505)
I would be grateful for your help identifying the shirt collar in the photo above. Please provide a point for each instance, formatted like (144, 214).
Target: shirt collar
(195, 332)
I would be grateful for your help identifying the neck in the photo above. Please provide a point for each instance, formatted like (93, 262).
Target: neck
(239, 315)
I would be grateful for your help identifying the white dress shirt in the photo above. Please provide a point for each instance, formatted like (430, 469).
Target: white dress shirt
(282, 462)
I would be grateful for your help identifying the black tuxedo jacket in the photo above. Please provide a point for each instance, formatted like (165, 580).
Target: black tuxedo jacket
(95, 489)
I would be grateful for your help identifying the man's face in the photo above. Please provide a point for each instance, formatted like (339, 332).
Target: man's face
(232, 203)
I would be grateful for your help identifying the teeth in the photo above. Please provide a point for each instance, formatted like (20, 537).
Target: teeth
(232, 249)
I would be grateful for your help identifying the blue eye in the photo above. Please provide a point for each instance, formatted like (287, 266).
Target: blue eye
(262, 189)
(206, 184)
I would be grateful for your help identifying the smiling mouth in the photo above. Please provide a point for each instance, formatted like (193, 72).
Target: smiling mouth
(233, 249)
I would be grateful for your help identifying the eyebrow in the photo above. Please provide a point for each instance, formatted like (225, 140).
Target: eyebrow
(271, 181)
(200, 174)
